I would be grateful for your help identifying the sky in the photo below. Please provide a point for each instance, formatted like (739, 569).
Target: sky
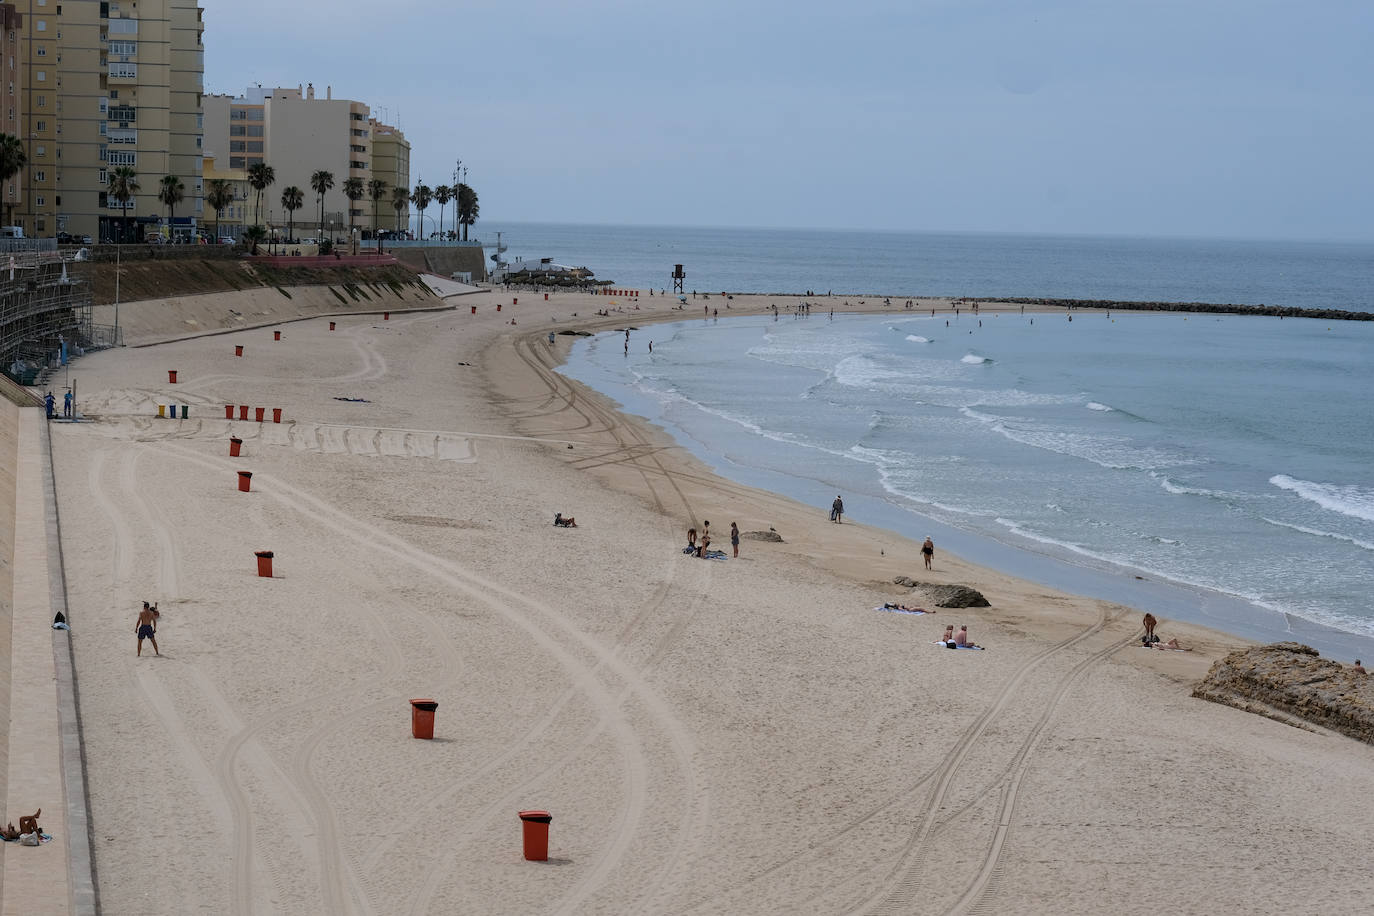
(1205, 118)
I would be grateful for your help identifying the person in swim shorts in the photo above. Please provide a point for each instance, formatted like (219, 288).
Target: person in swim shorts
(928, 551)
(146, 628)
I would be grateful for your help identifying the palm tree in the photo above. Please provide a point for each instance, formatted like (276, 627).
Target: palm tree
(399, 198)
(123, 187)
(376, 189)
(353, 190)
(442, 194)
(12, 160)
(467, 208)
(171, 192)
(260, 177)
(421, 197)
(321, 181)
(292, 199)
(218, 194)
(253, 235)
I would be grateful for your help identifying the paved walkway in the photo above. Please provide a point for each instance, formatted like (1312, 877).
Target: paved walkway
(443, 287)
(35, 878)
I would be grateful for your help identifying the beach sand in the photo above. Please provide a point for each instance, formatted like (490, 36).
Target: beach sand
(746, 736)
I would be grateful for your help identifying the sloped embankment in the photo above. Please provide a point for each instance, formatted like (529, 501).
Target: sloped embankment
(1291, 678)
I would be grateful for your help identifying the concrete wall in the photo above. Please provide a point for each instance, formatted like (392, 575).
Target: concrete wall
(9, 463)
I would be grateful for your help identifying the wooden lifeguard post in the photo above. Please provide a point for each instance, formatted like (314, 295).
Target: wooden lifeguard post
(678, 276)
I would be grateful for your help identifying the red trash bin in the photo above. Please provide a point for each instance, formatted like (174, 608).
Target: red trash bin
(243, 411)
(386, 316)
(331, 325)
(245, 477)
(171, 376)
(498, 306)
(474, 310)
(276, 335)
(536, 824)
(276, 414)
(264, 563)
(228, 411)
(514, 301)
(422, 717)
(546, 297)
(258, 412)
(238, 349)
(235, 443)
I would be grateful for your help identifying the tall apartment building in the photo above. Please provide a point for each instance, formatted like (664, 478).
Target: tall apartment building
(391, 163)
(297, 133)
(11, 121)
(110, 83)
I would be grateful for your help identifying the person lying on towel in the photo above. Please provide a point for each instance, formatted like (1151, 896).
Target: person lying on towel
(560, 522)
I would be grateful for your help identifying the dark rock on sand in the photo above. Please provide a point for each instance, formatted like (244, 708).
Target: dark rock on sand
(945, 595)
(1293, 679)
(769, 535)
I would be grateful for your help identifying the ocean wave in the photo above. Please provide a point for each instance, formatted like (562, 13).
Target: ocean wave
(1347, 499)
(917, 338)
(864, 372)
(1113, 452)
(1093, 405)
(1179, 489)
(974, 359)
(1366, 545)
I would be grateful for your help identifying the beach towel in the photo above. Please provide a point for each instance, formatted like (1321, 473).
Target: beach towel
(950, 645)
(918, 612)
(43, 838)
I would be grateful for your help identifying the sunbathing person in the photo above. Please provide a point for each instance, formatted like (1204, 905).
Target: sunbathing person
(961, 639)
(560, 522)
(902, 607)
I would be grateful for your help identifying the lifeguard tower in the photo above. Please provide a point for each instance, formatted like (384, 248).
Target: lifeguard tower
(679, 275)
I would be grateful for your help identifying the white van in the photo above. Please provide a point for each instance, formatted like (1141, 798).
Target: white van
(11, 232)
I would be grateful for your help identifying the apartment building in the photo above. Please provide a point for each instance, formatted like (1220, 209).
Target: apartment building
(233, 219)
(297, 133)
(391, 163)
(110, 83)
(11, 121)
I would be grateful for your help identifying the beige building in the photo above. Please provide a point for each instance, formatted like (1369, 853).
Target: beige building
(11, 115)
(390, 163)
(297, 134)
(233, 219)
(110, 84)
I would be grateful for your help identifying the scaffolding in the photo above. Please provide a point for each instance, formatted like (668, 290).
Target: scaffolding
(45, 309)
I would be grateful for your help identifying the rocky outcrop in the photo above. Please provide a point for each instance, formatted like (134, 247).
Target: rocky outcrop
(769, 535)
(1280, 311)
(1294, 679)
(945, 595)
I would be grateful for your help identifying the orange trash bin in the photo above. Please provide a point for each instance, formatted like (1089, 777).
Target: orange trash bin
(235, 443)
(422, 717)
(264, 563)
(245, 479)
(536, 824)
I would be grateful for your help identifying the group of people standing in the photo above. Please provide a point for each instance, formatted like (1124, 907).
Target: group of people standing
(50, 405)
(701, 547)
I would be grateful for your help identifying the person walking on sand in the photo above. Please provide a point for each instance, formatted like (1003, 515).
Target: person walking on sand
(837, 511)
(734, 538)
(1149, 624)
(928, 551)
(146, 628)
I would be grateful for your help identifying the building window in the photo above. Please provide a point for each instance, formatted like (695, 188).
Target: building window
(124, 47)
(235, 162)
(41, 101)
(57, 200)
(42, 125)
(40, 51)
(40, 200)
(104, 178)
(197, 142)
(254, 146)
(40, 150)
(114, 93)
(124, 71)
(42, 76)
(41, 222)
(255, 130)
(236, 130)
(40, 175)
(236, 146)
(42, 25)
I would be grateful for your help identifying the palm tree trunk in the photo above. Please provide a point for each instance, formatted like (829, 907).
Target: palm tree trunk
(376, 227)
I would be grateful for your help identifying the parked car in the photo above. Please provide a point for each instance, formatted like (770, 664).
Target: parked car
(85, 240)
(227, 240)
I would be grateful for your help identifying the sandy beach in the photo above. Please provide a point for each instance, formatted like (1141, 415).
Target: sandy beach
(738, 736)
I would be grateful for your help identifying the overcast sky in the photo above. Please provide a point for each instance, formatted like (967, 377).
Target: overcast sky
(1231, 118)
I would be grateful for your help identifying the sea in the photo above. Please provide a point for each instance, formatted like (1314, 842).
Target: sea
(1212, 468)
